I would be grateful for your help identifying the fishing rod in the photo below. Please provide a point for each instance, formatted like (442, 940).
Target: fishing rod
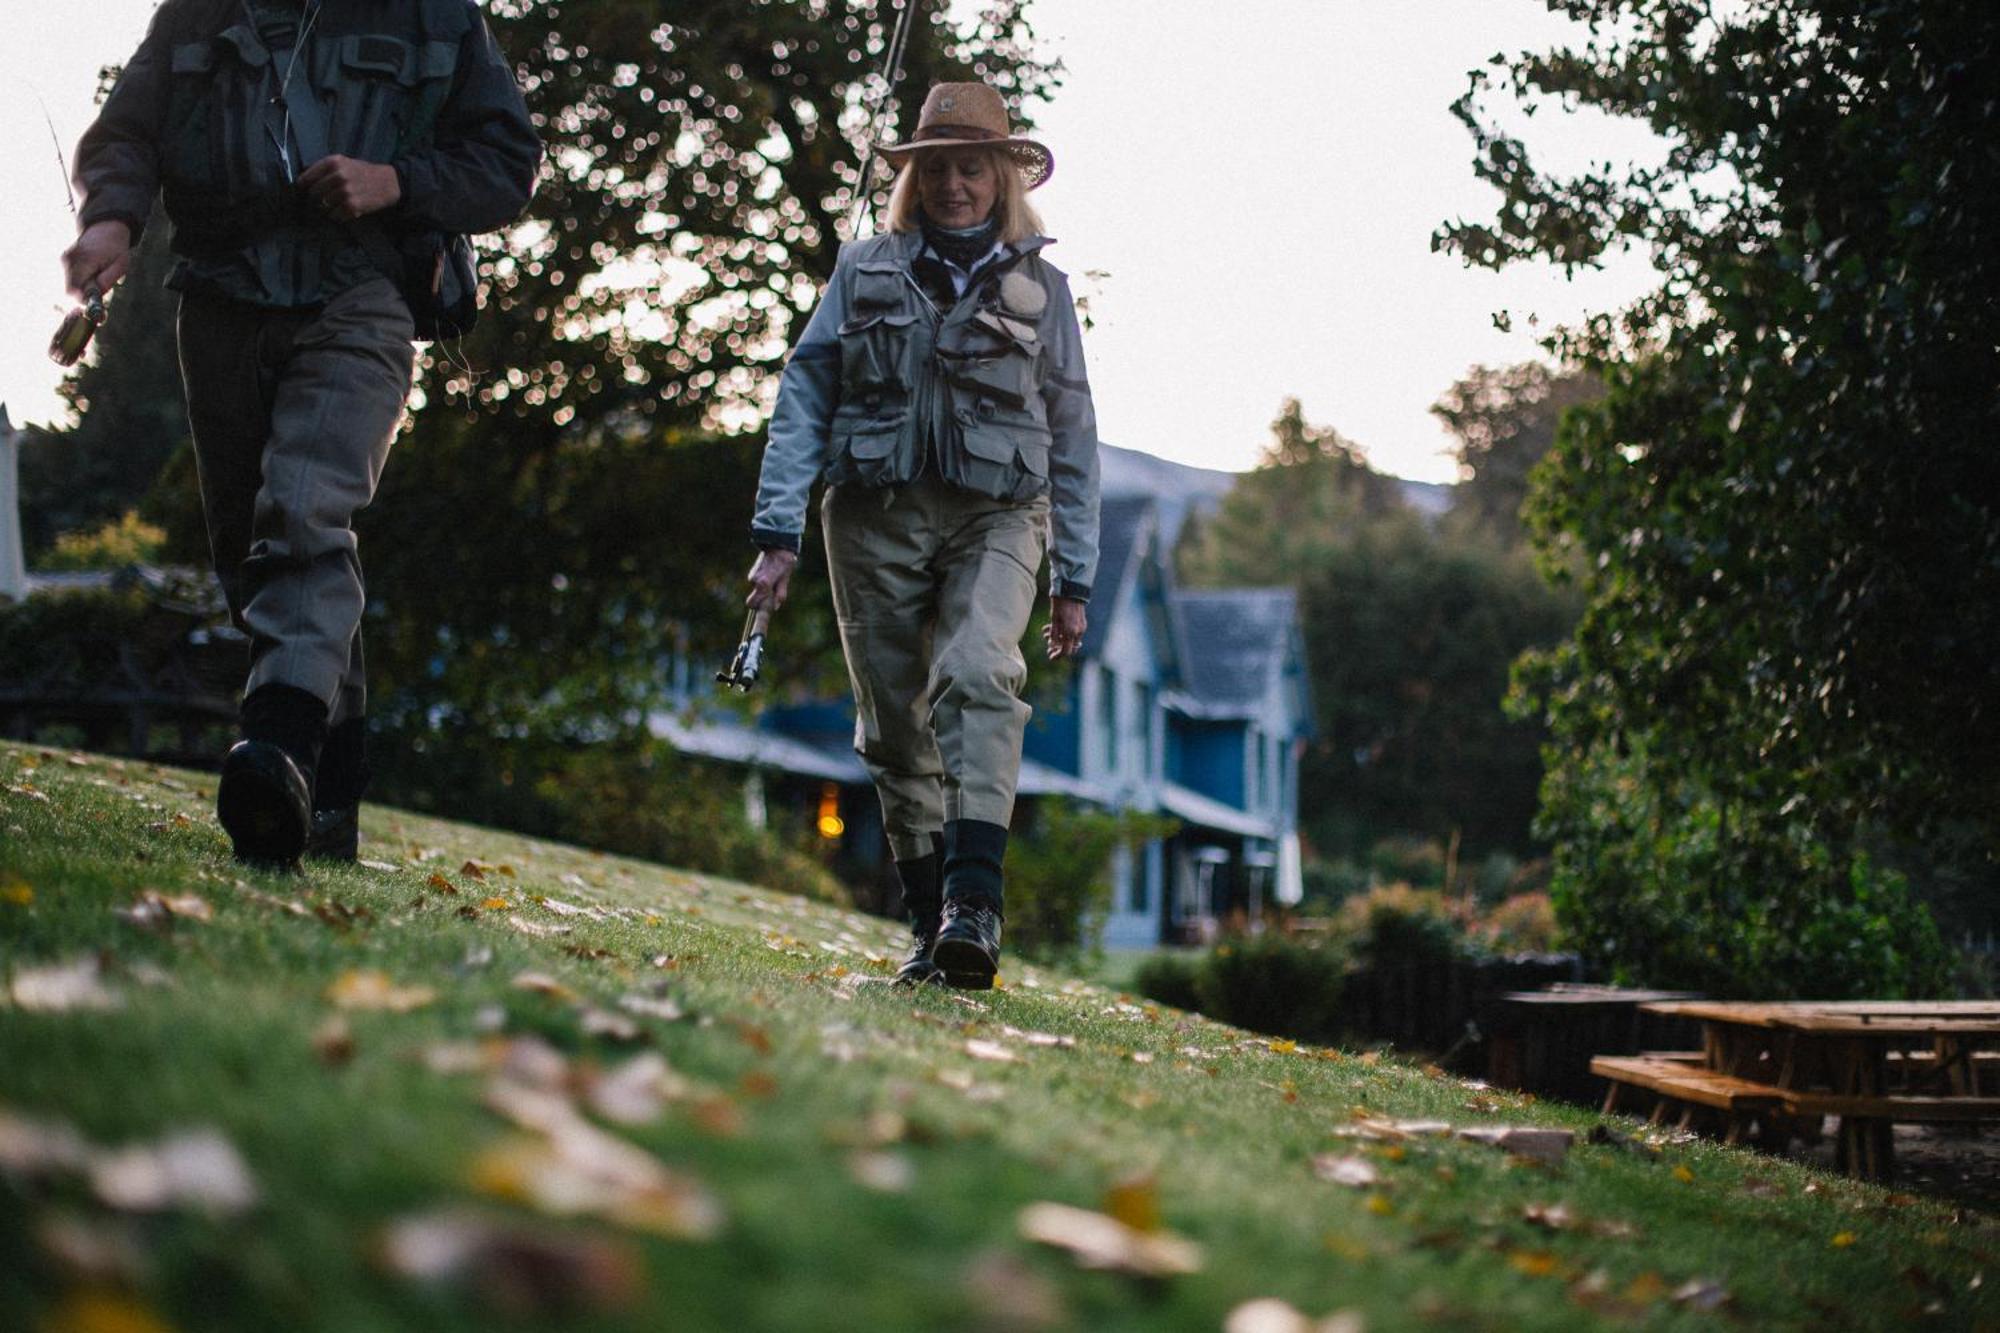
(80, 325)
(892, 74)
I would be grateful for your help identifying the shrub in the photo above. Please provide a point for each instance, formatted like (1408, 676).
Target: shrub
(1059, 876)
(1524, 923)
(118, 544)
(1397, 924)
(1274, 984)
(1169, 978)
(1418, 861)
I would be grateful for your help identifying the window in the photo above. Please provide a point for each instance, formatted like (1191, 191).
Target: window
(1142, 728)
(1107, 717)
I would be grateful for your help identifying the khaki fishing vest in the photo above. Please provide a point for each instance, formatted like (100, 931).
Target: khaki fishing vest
(960, 390)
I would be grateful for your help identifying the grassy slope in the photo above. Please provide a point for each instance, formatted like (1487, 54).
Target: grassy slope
(1225, 1123)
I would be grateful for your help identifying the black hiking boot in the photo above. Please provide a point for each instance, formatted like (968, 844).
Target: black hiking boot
(968, 946)
(923, 895)
(342, 777)
(335, 834)
(264, 803)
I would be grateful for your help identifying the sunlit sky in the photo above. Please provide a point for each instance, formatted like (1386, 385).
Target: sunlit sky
(1258, 181)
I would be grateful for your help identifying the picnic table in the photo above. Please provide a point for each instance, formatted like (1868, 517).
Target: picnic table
(1542, 1041)
(1779, 1068)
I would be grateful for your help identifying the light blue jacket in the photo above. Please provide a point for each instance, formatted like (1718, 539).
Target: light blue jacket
(882, 385)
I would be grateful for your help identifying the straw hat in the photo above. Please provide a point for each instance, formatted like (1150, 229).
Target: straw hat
(971, 115)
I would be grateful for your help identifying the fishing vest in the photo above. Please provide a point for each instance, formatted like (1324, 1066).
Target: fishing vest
(960, 389)
(380, 68)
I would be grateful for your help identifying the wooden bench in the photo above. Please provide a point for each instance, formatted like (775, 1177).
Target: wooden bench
(1676, 1082)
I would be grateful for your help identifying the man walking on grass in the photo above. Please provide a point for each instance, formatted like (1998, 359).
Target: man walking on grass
(314, 156)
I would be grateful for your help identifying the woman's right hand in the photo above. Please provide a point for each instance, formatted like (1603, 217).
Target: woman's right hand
(98, 259)
(771, 578)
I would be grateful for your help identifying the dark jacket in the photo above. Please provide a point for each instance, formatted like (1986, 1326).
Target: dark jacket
(883, 384)
(418, 84)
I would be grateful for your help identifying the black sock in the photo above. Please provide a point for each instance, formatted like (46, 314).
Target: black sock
(343, 766)
(973, 852)
(922, 877)
(289, 718)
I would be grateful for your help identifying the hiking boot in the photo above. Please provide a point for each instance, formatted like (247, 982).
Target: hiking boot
(335, 834)
(923, 902)
(920, 969)
(968, 944)
(264, 803)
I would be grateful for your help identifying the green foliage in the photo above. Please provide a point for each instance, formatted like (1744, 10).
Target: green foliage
(1169, 978)
(1410, 630)
(1505, 421)
(1059, 876)
(119, 544)
(1661, 881)
(71, 636)
(1785, 514)
(1274, 983)
(1401, 925)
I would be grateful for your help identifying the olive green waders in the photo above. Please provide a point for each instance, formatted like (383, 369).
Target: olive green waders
(933, 586)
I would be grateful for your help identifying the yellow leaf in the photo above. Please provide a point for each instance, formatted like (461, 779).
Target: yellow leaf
(1533, 1263)
(497, 905)
(1282, 1047)
(102, 1312)
(374, 990)
(1380, 1205)
(1844, 1239)
(1135, 1201)
(18, 892)
(473, 869)
(438, 882)
(1685, 1176)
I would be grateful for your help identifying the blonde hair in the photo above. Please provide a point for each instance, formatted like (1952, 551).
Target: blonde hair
(1018, 218)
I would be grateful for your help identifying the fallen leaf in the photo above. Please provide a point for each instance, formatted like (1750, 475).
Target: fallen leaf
(1096, 1241)
(981, 1049)
(1271, 1315)
(368, 989)
(1549, 1146)
(1135, 1201)
(883, 1172)
(1063, 1041)
(612, 1026)
(541, 983)
(62, 988)
(1012, 1295)
(440, 884)
(1354, 1172)
(1682, 1174)
(637, 1091)
(103, 1312)
(1843, 1239)
(535, 928)
(341, 916)
(1701, 1296)
(648, 1006)
(496, 904)
(473, 870)
(16, 892)
(191, 1168)
(1552, 1216)
(333, 1041)
(1381, 1205)
(520, 1271)
(1534, 1263)
(367, 864)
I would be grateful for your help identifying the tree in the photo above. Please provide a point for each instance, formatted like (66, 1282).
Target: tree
(570, 505)
(1410, 630)
(1783, 514)
(1505, 421)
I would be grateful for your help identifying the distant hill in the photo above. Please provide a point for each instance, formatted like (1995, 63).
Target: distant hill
(1182, 489)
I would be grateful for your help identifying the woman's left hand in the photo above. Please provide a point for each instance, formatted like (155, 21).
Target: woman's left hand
(1064, 632)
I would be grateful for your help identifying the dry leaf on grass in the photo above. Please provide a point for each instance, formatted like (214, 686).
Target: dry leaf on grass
(1353, 1172)
(541, 983)
(1701, 1296)
(883, 1172)
(651, 1006)
(333, 1041)
(1010, 1294)
(1100, 1242)
(89, 1311)
(637, 1091)
(981, 1049)
(1552, 1216)
(1271, 1315)
(1549, 1146)
(369, 989)
(62, 988)
(156, 911)
(518, 1270)
(1040, 1038)
(189, 1169)
(30, 1148)
(611, 1026)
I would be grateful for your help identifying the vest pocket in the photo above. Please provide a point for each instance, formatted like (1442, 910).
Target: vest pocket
(1003, 455)
(865, 451)
(874, 353)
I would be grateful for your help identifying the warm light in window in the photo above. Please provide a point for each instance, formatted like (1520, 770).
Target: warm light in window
(829, 823)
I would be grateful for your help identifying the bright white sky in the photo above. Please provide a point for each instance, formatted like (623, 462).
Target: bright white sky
(1259, 180)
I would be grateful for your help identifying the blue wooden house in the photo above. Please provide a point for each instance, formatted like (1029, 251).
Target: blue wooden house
(1191, 704)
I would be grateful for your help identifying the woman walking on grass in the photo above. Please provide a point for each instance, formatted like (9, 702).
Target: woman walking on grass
(939, 391)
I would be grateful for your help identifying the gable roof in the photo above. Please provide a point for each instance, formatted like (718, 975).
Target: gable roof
(1123, 524)
(1235, 641)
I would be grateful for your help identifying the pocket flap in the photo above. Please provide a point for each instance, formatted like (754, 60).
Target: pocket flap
(863, 322)
(987, 439)
(868, 439)
(371, 53)
(878, 284)
(1035, 457)
(244, 43)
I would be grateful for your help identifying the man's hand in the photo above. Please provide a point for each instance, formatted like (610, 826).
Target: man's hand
(771, 578)
(347, 188)
(99, 258)
(1064, 632)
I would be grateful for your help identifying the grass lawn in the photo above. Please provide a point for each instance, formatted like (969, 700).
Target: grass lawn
(486, 1081)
